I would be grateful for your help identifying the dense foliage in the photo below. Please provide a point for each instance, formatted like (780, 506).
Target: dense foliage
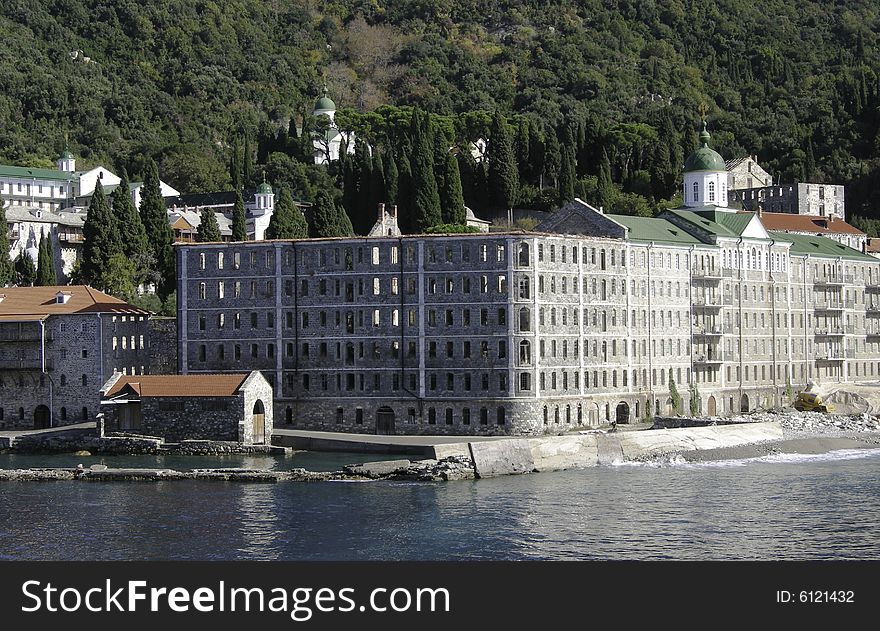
(217, 91)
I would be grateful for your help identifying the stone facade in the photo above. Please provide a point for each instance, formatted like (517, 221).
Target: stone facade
(51, 368)
(528, 333)
(163, 346)
(823, 200)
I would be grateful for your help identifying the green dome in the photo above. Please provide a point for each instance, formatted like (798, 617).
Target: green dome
(704, 158)
(264, 189)
(324, 103)
(67, 155)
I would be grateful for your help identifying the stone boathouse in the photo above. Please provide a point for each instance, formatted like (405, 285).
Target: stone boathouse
(232, 407)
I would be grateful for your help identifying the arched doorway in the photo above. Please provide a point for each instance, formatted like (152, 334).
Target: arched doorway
(712, 406)
(259, 423)
(622, 414)
(385, 420)
(42, 417)
(744, 403)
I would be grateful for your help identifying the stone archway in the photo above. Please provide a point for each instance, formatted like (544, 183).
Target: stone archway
(42, 417)
(712, 406)
(259, 423)
(385, 420)
(621, 415)
(744, 403)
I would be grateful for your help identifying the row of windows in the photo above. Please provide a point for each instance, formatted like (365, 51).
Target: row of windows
(21, 415)
(432, 417)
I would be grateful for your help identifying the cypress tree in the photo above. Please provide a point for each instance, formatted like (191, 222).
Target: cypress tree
(405, 219)
(159, 234)
(377, 183)
(503, 176)
(552, 157)
(325, 218)
(25, 272)
(6, 267)
(235, 167)
(523, 146)
(208, 230)
(343, 222)
(567, 175)
(45, 264)
(364, 211)
(451, 195)
(425, 205)
(605, 190)
(100, 239)
(132, 234)
(349, 183)
(247, 168)
(287, 221)
(239, 223)
(391, 179)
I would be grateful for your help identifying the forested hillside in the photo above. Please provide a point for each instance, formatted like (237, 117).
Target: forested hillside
(600, 98)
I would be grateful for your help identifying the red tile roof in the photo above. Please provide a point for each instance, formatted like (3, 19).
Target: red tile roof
(37, 303)
(145, 386)
(813, 224)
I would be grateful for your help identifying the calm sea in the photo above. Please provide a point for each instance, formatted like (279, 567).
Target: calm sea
(778, 507)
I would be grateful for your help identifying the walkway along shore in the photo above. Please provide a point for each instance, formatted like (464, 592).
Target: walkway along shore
(464, 460)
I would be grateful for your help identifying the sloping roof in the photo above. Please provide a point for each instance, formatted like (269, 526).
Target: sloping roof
(717, 222)
(873, 245)
(63, 218)
(203, 385)
(578, 217)
(732, 164)
(787, 222)
(35, 173)
(819, 246)
(39, 302)
(654, 229)
(194, 219)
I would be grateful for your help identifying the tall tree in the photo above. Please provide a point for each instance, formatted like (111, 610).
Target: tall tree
(364, 212)
(567, 174)
(405, 215)
(287, 221)
(605, 191)
(208, 230)
(45, 262)
(100, 239)
(239, 222)
(25, 271)
(132, 234)
(552, 157)
(325, 218)
(425, 205)
(378, 193)
(523, 144)
(160, 236)
(391, 179)
(6, 267)
(451, 196)
(503, 175)
(247, 166)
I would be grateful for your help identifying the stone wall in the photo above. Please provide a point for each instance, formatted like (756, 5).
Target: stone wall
(195, 421)
(163, 346)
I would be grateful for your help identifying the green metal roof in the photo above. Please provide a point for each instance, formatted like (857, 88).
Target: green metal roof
(264, 189)
(67, 155)
(717, 222)
(704, 158)
(802, 245)
(29, 173)
(654, 229)
(324, 103)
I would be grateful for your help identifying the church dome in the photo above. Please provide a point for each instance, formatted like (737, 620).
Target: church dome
(704, 158)
(264, 189)
(325, 103)
(66, 155)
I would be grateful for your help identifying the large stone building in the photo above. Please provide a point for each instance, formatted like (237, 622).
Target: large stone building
(800, 198)
(57, 346)
(229, 407)
(26, 227)
(584, 321)
(830, 227)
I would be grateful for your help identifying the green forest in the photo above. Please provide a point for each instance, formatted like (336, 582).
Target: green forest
(592, 98)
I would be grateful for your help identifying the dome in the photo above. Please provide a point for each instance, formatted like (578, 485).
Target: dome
(264, 189)
(325, 103)
(704, 158)
(66, 155)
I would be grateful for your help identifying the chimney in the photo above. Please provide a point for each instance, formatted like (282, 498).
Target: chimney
(394, 211)
(601, 210)
(760, 210)
(381, 211)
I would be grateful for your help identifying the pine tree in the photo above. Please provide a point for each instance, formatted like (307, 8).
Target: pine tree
(100, 239)
(239, 223)
(605, 193)
(325, 218)
(6, 267)
(391, 179)
(132, 234)
(287, 221)
(25, 271)
(208, 230)
(160, 236)
(503, 176)
(45, 263)
(674, 395)
(425, 205)
(451, 196)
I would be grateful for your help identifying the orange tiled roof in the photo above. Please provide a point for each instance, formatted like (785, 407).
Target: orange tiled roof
(785, 222)
(146, 386)
(36, 303)
(873, 245)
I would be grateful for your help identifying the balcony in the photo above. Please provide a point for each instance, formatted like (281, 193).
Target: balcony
(711, 274)
(830, 332)
(829, 281)
(71, 237)
(707, 302)
(708, 331)
(9, 365)
(828, 306)
(829, 356)
(708, 360)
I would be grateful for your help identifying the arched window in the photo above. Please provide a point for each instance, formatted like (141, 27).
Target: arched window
(525, 352)
(523, 254)
(524, 287)
(525, 321)
(696, 191)
(711, 191)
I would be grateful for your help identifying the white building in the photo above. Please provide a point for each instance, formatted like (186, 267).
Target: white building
(28, 226)
(329, 141)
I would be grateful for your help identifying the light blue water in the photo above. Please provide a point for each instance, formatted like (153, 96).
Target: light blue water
(777, 507)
